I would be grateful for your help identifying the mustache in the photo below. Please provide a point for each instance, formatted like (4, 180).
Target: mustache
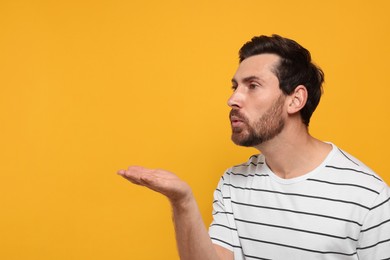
(236, 113)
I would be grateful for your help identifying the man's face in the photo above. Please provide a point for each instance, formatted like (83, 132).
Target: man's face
(257, 102)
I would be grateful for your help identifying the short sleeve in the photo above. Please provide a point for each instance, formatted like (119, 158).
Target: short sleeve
(220, 230)
(374, 240)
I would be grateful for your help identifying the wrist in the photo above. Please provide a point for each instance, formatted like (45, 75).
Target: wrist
(183, 202)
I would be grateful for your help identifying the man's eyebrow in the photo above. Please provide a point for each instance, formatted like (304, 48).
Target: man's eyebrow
(246, 79)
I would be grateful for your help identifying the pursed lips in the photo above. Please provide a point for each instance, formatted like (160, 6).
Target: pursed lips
(236, 120)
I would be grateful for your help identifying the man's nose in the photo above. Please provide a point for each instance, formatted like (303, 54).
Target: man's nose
(236, 99)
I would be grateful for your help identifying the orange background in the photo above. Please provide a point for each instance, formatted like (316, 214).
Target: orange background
(89, 87)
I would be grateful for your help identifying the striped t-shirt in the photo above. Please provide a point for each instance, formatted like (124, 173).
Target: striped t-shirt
(340, 210)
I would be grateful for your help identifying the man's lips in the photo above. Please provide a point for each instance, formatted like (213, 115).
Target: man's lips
(236, 121)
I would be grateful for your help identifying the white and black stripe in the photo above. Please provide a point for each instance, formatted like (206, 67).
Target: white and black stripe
(341, 210)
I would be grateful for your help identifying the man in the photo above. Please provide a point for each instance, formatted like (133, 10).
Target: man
(301, 198)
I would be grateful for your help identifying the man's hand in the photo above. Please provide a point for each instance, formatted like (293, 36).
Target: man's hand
(191, 235)
(164, 182)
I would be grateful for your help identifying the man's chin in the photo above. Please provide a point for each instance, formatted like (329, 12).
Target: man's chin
(240, 140)
(245, 139)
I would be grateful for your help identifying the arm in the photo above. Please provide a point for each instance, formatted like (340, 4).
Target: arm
(374, 240)
(192, 237)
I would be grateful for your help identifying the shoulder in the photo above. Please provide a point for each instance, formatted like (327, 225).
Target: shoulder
(241, 172)
(342, 166)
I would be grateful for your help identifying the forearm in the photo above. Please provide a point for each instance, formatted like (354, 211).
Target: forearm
(192, 238)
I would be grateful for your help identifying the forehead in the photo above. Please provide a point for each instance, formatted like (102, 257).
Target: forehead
(261, 66)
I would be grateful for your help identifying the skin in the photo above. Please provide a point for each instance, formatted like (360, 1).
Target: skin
(261, 107)
(266, 127)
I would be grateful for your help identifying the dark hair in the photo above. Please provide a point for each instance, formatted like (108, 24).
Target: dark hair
(295, 68)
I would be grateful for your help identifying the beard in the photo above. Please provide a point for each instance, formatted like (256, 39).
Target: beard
(269, 125)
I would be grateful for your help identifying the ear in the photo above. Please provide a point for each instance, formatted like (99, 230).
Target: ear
(297, 99)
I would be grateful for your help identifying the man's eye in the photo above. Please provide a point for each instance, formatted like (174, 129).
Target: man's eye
(253, 86)
(234, 88)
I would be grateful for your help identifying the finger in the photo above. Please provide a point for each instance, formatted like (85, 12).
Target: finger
(145, 177)
(134, 174)
(121, 172)
(134, 181)
(148, 179)
(127, 175)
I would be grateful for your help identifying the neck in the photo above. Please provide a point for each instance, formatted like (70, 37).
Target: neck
(294, 152)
